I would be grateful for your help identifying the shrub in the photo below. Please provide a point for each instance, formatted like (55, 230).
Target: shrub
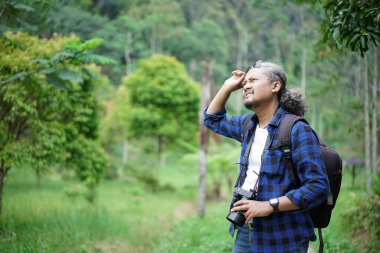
(364, 219)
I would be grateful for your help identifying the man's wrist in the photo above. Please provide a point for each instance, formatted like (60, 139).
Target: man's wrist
(275, 203)
(270, 208)
(227, 89)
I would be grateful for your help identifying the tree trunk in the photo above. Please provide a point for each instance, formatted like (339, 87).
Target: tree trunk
(277, 49)
(366, 129)
(303, 69)
(192, 68)
(320, 126)
(374, 114)
(217, 189)
(205, 98)
(229, 182)
(160, 142)
(240, 64)
(127, 54)
(3, 172)
(125, 152)
(153, 40)
(357, 79)
(314, 116)
(38, 177)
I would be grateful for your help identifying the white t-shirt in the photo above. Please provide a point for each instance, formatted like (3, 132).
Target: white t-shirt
(254, 159)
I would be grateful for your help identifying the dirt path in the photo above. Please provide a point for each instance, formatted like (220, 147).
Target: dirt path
(184, 210)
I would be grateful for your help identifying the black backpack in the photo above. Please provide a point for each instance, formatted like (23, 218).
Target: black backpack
(321, 214)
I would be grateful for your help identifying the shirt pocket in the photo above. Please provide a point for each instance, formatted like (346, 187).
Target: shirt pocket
(272, 163)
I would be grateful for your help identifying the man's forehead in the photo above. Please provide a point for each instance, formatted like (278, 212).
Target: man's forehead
(255, 72)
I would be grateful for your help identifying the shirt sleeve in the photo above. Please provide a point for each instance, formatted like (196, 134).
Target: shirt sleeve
(228, 126)
(307, 161)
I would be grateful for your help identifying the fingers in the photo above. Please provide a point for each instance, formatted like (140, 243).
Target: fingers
(241, 205)
(240, 208)
(241, 202)
(249, 215)
(238, 73)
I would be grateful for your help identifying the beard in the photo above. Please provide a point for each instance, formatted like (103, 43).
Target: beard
(250, 104)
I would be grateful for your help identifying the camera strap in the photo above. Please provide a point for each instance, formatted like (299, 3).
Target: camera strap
(244, 164)
(266, 147)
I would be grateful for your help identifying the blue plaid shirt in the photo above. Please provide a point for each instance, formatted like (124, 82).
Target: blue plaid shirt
(282, 231)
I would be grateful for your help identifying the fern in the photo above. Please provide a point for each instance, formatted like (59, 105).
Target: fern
(10, 42)
(97, 59)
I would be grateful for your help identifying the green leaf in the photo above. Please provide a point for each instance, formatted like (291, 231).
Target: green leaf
(23, 7)
(56, 81)
(42, 61)
(46, 71)
(91, 44)
(68, 75)
(60, 55)
(15, 77)
(10, 42)
(97, 59)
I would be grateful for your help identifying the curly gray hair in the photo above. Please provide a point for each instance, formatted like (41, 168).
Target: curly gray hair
(292, 101)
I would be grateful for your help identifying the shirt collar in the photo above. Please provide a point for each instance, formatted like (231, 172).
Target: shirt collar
(276, 119)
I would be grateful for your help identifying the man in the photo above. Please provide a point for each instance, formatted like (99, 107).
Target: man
(279, 216)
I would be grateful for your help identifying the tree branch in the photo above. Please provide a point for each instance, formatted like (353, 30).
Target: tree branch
(5, 6)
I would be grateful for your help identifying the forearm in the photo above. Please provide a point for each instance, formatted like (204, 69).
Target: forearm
(286, 205)
(255, 208)
(219, 101)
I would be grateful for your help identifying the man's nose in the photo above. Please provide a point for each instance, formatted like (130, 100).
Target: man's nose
(246, 86)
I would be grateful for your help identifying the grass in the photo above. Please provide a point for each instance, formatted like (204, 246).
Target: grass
(130, 218)
(211, 233)
(337, 236)
(49, 220)
(200, 235)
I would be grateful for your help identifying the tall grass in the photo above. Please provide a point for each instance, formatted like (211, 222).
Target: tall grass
(211, 233)
(125, 218)
(128, 217)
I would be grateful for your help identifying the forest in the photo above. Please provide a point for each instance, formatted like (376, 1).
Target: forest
(102, 142)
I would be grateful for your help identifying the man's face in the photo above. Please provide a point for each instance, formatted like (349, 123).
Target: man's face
(257, 89)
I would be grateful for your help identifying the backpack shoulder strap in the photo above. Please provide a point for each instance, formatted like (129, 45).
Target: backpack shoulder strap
(284, 137)
(245, 127)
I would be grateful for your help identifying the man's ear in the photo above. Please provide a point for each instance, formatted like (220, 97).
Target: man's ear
(276, 86)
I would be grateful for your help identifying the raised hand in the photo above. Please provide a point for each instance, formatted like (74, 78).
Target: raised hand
(235, 81)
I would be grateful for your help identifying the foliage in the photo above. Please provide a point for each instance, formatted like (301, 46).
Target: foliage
(126, 217)
(114, 122)
(20, 15)
(48, 109)
(363, 219)
(353, 23)
(67, 19)
(222, 167)
(211, 42)
(231, 34)
(164, 100)
(198, 235)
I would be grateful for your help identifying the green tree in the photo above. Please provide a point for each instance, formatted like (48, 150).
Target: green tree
(160, 18)
(20, 15)
(48, 113)
(353, 24)
(164, 102)
(124, 44)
